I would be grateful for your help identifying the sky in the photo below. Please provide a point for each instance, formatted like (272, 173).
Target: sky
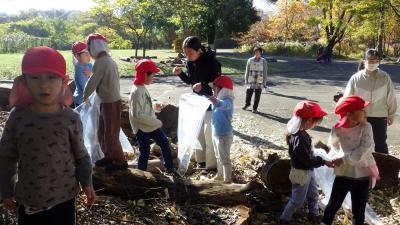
(14, 6)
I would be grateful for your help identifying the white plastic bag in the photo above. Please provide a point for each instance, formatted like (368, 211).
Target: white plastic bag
(192, 109)
(325, 177)
(90, 121)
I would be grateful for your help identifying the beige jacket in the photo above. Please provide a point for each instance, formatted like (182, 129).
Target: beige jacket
(141, 113)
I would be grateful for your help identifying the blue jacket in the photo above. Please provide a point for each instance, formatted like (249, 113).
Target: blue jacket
(222, 117)
(80, 81)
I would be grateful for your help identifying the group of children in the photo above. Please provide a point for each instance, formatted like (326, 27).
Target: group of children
(43, 160)
(42, 142)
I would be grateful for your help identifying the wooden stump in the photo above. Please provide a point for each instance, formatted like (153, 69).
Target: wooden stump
(275, 175)
(389, 167)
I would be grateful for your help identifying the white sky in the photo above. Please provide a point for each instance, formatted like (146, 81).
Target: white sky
(14, 6)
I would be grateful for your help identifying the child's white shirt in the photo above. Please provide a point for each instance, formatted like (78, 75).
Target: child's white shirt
(357, 145)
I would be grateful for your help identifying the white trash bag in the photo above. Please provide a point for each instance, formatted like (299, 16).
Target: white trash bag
(325, 177)
(90, 121)
(192, 109)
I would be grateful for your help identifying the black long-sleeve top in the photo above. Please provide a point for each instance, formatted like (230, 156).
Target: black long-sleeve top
(300, 151)
(204, 70)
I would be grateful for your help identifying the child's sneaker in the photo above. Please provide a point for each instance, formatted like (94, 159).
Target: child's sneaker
(218, 178)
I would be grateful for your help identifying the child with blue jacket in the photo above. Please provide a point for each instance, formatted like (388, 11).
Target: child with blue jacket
(222, 110)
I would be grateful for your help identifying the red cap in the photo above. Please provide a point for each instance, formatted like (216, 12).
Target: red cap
(307, 109)
(94, 36)
(348, 104)
(142, 67)
(78, 47)
(43, 59)
(224, 81)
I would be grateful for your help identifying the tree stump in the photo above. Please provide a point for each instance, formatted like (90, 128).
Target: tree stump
(275, 174)
(389, 167)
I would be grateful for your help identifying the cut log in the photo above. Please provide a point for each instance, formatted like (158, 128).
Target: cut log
(389, 167)
(275, 174)
(136, 184)
(4, 95)
(169, 117)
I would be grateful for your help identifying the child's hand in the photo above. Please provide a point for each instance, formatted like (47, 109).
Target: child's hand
(197, 87)
(330, 164)
(159, 106)
(87, 72)
(9, 203)
(90, 196)
(176, 70)
(212, 99)
(338, 161)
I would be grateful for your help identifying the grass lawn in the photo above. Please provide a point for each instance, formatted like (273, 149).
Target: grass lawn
(234, 64)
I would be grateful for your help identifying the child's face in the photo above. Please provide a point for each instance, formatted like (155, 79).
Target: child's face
(358, 116)
(44, 87)
(216, 90)
(83, 58)
(191, 54)
(149, 79)
(257, 54)
(311, 123)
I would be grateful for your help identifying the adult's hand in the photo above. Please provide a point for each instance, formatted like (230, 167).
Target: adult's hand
(390, 120)
(176, 70)
(197, 87)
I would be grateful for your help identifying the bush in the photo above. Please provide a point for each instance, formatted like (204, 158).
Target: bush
(291, 49)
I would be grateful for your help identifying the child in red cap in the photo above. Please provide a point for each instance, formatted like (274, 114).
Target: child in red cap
(143, 119)
(42, 145)
(105, 81)
(221, 121)
(356, 171)
(82, 70)
(306, 115)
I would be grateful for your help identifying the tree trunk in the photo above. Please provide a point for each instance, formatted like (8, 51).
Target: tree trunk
(381, 27)
(137, 184)
(211, 34)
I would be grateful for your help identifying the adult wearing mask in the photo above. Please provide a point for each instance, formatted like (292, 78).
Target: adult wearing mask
(202, 69)
(375, 86)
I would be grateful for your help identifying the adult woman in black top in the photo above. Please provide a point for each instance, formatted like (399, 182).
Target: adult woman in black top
(202, 69)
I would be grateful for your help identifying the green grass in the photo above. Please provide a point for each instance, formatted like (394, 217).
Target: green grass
(10, 64)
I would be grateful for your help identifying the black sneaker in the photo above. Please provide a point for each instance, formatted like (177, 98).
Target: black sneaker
(112, 167)
(102, 162)
(245, 107)
(255, 111)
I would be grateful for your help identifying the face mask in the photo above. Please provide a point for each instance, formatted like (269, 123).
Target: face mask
(372, 66)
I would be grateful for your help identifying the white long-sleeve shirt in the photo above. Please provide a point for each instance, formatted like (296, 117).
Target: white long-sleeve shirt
(357, 144)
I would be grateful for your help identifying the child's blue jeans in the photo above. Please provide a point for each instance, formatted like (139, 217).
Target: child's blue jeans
(308, 191)
(161, 140)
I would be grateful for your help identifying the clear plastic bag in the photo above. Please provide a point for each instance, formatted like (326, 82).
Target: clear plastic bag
(90, 121)
(192, 109)
(325, 177)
